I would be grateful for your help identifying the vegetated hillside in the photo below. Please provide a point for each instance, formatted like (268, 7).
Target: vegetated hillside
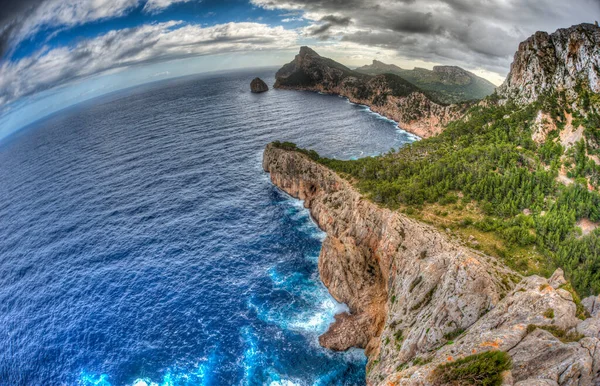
(449, 84)
(415, 110)
(519, 180)
(516, 178)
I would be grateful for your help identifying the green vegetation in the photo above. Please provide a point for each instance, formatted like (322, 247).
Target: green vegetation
(454, 334)
(562, 335)
(446, 84)
(549, 313)
(480, 369)
(485, 178)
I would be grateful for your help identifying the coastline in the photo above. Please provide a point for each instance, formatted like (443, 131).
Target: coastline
(422, 128)
(419, 299)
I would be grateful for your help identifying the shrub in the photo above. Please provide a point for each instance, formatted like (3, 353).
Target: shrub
(480, 369)
(454, 334)
(558, 332)
(549, 313)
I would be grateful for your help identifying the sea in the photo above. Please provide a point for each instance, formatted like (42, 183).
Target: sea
(141, 243)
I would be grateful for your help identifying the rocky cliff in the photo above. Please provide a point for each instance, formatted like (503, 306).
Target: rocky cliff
(558, 61)
(419, 299)
(386, 94)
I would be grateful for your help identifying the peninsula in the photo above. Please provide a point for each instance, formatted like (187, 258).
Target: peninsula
(463, 258)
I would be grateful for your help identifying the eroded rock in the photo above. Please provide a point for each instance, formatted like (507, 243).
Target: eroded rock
(258, 85)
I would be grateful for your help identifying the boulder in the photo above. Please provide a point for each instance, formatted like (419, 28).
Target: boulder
(258, 85)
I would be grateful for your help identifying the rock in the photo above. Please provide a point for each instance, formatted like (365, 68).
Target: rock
(557, 279)
(589, 327)
(410, 289)
(387, 94)
(406, 284)
(258, 85)
(592, 305)
(557, 61)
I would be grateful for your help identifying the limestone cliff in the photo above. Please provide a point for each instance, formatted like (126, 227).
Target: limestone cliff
(419, 298)
(558, 61)
(387, 94)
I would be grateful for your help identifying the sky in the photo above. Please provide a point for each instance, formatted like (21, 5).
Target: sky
(55, 53)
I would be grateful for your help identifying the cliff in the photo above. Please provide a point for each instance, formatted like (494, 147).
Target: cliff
(449, 84)
(419, 299)
(386, 94)
(554, 62)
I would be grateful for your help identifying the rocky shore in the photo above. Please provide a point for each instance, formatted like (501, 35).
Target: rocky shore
(387, 94)
(419, 298)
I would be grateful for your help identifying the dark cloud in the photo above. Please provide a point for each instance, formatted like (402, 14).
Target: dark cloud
(337, 20)
(12, 16)
(471, 33)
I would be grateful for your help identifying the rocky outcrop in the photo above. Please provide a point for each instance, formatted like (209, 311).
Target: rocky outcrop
(258, 85)
(558, 61)
(386, 94)
(419, 298)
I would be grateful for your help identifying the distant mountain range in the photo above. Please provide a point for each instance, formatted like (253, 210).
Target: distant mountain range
(448, 84)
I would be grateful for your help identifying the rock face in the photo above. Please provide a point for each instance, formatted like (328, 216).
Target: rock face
(258, 85)
(557, 61)
(449, 84)
(412, 289)
(386, 94)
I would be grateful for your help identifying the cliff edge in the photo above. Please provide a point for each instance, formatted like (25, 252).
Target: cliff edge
(420, 300)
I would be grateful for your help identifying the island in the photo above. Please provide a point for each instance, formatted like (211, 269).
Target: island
(258, 86)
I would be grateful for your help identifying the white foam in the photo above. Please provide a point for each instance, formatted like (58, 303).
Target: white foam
(284, 382)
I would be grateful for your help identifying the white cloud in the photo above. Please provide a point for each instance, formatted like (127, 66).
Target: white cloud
(70, 13)
(57, 15)
(127, 47)
(155, 6)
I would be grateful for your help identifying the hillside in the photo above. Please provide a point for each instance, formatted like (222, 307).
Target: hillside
(448, 84)
(441, 248)
(415, 110)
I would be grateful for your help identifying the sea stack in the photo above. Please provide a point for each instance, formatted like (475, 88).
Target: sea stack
(258, 85)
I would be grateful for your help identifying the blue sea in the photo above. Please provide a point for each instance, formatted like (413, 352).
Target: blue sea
(141, 243)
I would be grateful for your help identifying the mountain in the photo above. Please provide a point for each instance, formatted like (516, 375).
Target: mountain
(471, 257)
(449, 84)
(390, 95)
(562, 61)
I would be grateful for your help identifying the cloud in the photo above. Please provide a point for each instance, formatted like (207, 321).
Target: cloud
(470, 33)
(133, 46)
(156, 6)
(23, 19)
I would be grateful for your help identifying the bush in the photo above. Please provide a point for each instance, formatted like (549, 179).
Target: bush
(480, 369)
(562, 335)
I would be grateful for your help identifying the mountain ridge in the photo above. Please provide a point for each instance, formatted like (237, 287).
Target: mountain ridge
(387, 94)
(450, 84)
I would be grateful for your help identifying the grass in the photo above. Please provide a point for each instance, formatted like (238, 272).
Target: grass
(562, 335)
(461, 219)
(483, 369)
